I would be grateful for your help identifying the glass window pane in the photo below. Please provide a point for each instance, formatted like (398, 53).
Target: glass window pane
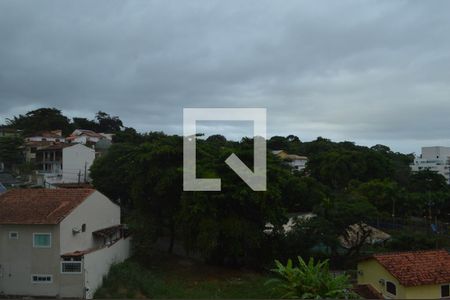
(445, 291)
(42, 240)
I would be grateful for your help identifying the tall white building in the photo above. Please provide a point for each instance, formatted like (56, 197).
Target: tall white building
(434, 159)
(65, 163)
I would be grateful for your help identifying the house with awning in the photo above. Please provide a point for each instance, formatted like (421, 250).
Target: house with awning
(58, 242)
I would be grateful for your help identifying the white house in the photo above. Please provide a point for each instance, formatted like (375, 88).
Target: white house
(434, 159)
(65, 163)
(297, 162)
(46, 136)
(84, 136)
(58, 242)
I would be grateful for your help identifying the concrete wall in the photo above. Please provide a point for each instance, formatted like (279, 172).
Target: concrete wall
(298, 164)
(370, 272)
(435, 152)
(76, 159)
(19, 260)
(423, 292)
(71, 285)
(97, 263)
(97, 212)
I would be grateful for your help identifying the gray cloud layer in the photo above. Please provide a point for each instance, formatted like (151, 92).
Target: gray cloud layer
(372, 71)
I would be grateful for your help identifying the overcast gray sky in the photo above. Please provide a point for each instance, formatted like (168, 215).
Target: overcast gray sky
(366, 71)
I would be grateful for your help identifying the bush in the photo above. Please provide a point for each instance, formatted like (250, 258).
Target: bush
(309, 281)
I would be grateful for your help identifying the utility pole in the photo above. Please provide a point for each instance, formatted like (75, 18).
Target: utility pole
(393, 212)
(85, 171)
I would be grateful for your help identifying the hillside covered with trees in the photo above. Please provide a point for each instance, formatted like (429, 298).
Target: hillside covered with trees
(343, 184)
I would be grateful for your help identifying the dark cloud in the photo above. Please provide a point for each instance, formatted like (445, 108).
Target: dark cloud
(372, 71)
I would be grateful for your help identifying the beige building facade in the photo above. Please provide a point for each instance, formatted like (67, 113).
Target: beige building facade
(60, 242)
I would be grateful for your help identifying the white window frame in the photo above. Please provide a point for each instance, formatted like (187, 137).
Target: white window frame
(393, 283)
(13, 232)
(72, 262)
(42, 275)
(40, 233)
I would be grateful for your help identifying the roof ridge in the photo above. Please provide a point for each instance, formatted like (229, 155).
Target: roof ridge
(40, 206)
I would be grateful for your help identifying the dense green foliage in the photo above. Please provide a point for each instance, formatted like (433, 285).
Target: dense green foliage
(132, 279)
(10, 150)
(40, 120)
(344, 185)
(309, 281)
(45, 119)
(225, 227)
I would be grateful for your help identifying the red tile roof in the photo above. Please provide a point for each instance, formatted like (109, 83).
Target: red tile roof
(418, 267)
(48, 134)
(87, 132)
(40, 206)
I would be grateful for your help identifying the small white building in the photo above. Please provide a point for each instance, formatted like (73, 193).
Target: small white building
(84, 136)
(65, 163)
(46, 136)
(435, 159)
(297, 162)
(58, 242)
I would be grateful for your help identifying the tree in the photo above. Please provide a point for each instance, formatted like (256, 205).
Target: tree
(111, 173)
(278, 143)
(157, 187)
(10, 151)
(84, 123)
(301, 194)
(334, 218)
(227, 227)
(290, 144)
(337, 168)
(128, 135)
(217, 138)
(413, 241)
(309, 281)
(427, 181)
(386, 195)
(108, 124)
(144, 175)
(40, 120)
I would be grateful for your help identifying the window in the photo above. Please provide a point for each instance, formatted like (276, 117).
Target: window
(445, 290)
(40, 278)
(83, 228)
(42, 240)
(391, 288)
(71, 267)
(13, 235)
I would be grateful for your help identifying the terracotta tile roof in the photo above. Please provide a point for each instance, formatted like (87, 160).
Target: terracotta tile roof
(78, 253)
(48, 134)
(418, 267)
(87, 132)
(39, 206)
